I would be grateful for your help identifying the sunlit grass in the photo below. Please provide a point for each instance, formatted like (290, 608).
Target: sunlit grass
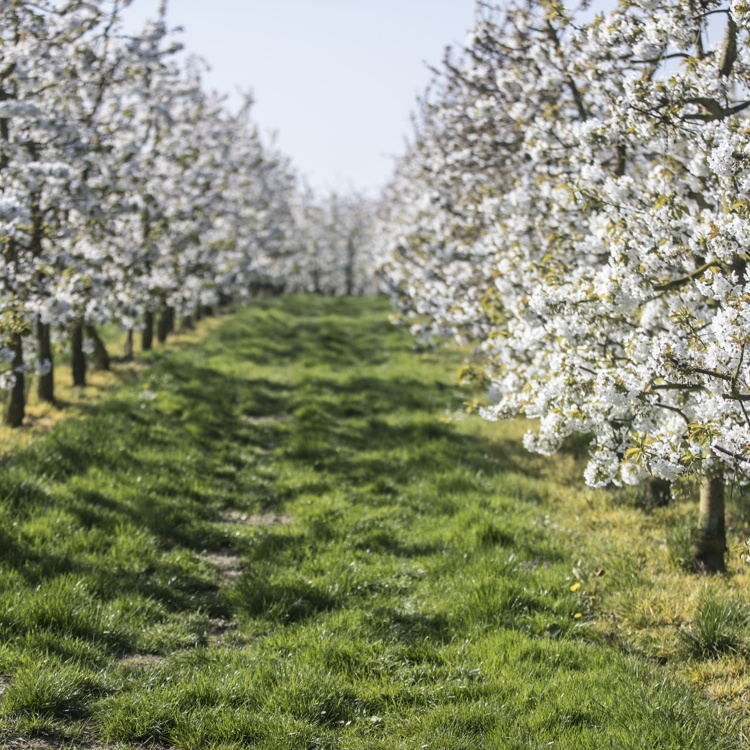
(288, 536)
(648, 601)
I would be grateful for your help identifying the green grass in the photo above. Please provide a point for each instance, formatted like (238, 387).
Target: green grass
(720, 626)
(287, 538)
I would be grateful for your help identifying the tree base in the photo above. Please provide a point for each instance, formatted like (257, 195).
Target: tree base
(147, 334)
(15, 404)
(78, 358)
(46, 383)
(100, 354)
(128, 356)
(709, 554)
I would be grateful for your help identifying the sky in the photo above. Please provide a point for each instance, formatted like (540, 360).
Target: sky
(335, 80)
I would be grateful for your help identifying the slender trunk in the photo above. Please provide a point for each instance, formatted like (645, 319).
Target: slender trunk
(45, 386)
(350, 251)
(170, 319)
(659, 492)
(101, 357)
(147, 334)
(78, 358)
(129, 346)
(187, 323)
(15, 405)
(224, 301)
(198, 314)
(208, 311)
(709, 540)
(162, 326)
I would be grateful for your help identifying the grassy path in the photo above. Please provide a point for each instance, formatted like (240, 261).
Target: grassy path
(284, 539)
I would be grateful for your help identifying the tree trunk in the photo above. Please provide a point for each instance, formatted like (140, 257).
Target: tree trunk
(198, 314)
(129, 346)
(170, 320)
(350, 251)
(101, 357)
(15, 404)
(709, 540)
(45, 387)
(78, 358)
(147, 334)
(659, 492)
(162, 326)
(187, 323)
(224, 301)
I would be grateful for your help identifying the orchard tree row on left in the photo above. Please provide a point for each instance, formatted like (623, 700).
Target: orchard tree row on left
(130, 194)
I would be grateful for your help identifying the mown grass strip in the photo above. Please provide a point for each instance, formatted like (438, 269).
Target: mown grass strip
(273, 540)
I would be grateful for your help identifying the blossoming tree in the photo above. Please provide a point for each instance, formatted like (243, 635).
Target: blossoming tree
(590, 233)
(127, 191)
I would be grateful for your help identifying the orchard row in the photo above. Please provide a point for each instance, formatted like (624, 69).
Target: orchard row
(577, 201)
(130, 194)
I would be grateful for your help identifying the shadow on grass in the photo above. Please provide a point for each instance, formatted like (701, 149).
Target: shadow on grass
(306, 331)
(385, 425)
(410, 627)
(286, 600)
(168, 453)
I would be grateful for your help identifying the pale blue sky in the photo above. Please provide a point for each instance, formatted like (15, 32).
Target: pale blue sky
(336, 79)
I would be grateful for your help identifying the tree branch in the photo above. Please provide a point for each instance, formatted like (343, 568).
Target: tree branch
(672, 408)
(714, 109)
(683, 280)
(729, 48)
(738, 456)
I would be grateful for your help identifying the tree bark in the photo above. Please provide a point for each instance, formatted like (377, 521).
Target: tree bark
(187, 323)
(350, 252)
(78, 358)
(101, 356)
(15, 405)
(224, 301)
(162, 326)
(45, 387)
(147, 334)
(129, 346)
(659, 492)
(709, 540)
